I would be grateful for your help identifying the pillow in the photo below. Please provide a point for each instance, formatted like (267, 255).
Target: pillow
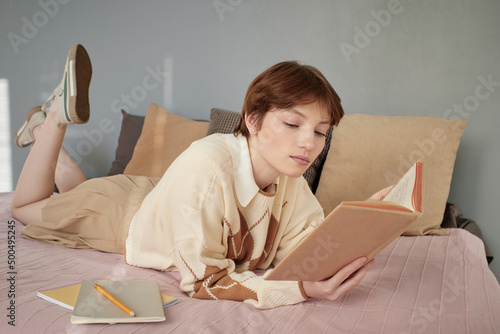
(163, 138)
(313, 173)
(371, 152)
(224, 121)
(129, 134)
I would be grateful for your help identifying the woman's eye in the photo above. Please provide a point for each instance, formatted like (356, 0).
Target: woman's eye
(291, 125)
(320, 133)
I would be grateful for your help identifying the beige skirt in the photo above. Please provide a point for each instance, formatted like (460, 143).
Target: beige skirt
(94, 215)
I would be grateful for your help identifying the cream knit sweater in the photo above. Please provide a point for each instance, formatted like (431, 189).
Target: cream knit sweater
(208, 219)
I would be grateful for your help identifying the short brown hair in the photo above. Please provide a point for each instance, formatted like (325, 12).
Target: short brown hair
(285, 85)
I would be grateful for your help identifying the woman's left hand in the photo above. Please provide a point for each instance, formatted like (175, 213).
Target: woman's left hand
(339, 284)
(380, 195)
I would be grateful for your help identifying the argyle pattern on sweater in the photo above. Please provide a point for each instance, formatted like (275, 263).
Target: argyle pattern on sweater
(193, 222)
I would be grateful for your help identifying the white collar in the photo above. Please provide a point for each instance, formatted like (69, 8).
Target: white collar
(244, 182)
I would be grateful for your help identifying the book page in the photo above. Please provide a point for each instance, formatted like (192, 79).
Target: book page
(403, 191)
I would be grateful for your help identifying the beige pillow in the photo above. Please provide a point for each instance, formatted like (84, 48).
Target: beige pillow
(163, 138)
(370, 152)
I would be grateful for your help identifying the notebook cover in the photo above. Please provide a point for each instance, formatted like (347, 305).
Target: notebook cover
(66, 296)
(141, 296)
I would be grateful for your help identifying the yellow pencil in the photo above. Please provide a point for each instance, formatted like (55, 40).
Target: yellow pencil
(114, 300)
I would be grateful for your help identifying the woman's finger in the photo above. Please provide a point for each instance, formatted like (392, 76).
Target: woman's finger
(348, 270)
(353, 281)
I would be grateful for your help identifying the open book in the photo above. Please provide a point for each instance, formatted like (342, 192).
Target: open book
(352, 230)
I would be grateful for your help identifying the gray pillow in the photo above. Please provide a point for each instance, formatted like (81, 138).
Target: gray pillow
(129, 134)
(222, 121)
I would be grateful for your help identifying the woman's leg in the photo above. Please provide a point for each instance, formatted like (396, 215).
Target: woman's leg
(68, 173)
(48, 163)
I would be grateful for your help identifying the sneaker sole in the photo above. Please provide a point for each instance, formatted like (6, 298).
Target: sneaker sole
(77, 81)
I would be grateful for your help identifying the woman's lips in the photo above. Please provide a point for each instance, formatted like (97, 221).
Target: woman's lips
(300, 159)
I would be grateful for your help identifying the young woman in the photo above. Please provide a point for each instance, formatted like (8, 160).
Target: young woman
(227, 206)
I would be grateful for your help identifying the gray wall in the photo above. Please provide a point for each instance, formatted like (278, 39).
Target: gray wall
(427, 58)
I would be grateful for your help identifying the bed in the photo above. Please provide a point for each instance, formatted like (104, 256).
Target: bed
(422, 284)
(426, 283)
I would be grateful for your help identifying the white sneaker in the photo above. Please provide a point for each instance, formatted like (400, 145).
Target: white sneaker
(24, 136)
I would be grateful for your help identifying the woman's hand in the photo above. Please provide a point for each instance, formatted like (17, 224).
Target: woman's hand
(339, 284)
(380, 195)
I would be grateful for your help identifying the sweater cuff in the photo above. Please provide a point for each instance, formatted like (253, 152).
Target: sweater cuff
(272, 294)
(302, 291)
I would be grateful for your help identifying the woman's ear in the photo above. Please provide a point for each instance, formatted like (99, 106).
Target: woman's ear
(250, 122)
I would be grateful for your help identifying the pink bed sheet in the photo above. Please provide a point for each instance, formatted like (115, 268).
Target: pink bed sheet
(428, 284)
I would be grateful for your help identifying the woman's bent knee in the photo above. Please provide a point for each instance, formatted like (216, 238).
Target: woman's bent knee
(28, 214)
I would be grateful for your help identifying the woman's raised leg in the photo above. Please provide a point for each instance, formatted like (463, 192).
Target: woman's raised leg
(48, 163)
(38, 176)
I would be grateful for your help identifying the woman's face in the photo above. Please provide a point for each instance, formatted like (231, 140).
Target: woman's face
(287, 141)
